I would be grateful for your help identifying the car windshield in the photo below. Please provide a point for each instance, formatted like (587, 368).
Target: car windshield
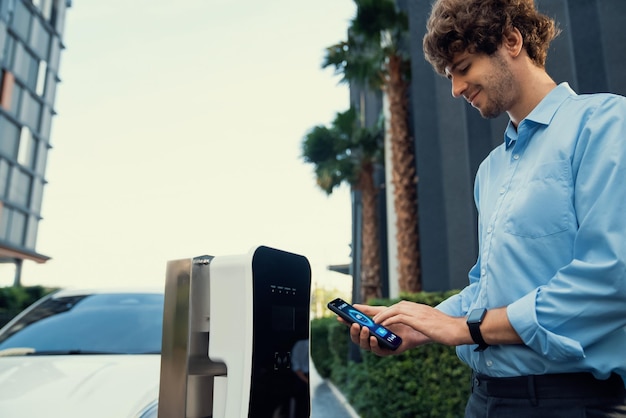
(112, 323)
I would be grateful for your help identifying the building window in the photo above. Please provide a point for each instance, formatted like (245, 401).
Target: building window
(4, 40)
(57, 15)
(5, 214)
(21, 19)
(10, 133)
(41, 78)
(26, 148)
(46, 8)
(25, 66)
(46, 122)
(9, 50)
(30, 69)
(41, 158)
(16, 99)
(55, 55)
(17, 228)
(31, 232)
(50, 87)
(39, 39)
(20, 187)
(6, 89)
(30, 112)
(37, 196)
(4, 177)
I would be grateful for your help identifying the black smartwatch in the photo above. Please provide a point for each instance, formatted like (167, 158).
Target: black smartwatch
(474, 319)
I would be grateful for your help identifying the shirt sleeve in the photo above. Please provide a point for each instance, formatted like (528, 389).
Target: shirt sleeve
(459, 304)
(586, 300)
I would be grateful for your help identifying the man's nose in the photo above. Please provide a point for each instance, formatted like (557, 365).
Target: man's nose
(458, 87)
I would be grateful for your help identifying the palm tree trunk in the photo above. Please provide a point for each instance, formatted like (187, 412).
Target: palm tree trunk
(370, 247)
(404, 179)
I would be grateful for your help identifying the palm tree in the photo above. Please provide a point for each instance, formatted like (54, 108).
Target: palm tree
(372, 56)
(347, 152)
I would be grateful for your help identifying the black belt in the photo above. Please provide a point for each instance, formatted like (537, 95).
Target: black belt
(549, 386)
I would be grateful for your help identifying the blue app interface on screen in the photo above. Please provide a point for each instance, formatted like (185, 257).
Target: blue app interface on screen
(364, 320)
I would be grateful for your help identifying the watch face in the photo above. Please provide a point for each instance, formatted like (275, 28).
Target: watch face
(476, 315)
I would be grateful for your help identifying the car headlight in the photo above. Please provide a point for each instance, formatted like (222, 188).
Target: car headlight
(150, 411)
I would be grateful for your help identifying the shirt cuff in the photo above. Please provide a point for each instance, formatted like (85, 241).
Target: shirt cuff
(522, 315)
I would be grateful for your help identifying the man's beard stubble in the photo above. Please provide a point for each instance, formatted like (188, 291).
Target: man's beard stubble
(500, 89)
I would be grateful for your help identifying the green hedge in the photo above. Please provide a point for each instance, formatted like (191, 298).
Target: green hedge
(14, 299)
(428, 381)
(319, 345)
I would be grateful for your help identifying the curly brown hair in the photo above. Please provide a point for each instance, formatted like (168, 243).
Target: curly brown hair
(478, 26)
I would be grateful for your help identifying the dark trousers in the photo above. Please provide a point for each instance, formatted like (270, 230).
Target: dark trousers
(569, 395)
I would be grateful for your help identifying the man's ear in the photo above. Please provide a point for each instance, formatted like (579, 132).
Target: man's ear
(513, 42)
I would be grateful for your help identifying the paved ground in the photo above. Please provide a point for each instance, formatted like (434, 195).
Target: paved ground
(326, 400)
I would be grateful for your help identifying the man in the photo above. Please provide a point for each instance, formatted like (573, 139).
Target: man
(542, 322)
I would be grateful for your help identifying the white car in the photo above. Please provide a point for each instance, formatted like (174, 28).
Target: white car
(83, 353)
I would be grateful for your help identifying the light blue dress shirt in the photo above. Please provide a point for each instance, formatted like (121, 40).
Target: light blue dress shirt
(552, 240)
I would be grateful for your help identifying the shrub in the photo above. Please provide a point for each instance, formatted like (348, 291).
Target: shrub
(15, 299)
(320, 349)
(428, 381)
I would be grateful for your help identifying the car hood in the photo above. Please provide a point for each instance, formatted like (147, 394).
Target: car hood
(78, 385)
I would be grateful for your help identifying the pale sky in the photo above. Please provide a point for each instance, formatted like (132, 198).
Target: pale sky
(178, 134)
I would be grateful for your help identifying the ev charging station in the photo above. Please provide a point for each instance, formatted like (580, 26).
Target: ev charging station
(229, 325)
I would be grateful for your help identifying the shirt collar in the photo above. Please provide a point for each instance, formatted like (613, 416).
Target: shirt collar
(543, 112)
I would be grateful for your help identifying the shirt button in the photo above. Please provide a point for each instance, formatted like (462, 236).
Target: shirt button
(502, 190)
(489, 230)
(516, 157)
(483, 272)
(489, 363)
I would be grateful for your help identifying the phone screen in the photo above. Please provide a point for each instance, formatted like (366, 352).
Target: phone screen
(351, 314)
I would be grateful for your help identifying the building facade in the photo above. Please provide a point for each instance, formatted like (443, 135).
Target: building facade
(30, 51)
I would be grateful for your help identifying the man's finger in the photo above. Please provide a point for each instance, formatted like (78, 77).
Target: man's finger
(364, 339)
(355, 334)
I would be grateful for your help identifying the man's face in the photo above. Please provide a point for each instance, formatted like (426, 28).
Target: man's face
(485, 81)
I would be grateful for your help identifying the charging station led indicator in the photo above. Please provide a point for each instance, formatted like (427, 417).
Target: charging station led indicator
(283, 290)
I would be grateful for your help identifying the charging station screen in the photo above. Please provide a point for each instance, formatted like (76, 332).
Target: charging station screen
(283, 318)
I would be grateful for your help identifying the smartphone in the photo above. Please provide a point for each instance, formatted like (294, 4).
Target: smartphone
(386, 338)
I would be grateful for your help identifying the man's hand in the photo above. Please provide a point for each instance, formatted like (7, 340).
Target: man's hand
(418, 324)
(432, 324)
(362, 337)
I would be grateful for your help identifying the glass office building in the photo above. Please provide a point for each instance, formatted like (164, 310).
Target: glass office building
(30, 50)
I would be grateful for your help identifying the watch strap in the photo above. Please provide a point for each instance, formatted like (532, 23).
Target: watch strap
(477, 336)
